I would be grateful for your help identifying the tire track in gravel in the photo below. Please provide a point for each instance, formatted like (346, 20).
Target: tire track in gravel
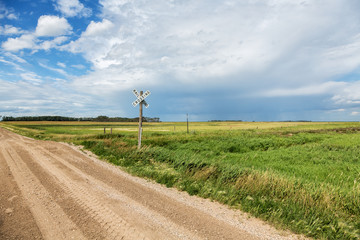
(90, 228)
(51, 220)
(112, 225)
(14, 207)
(75, 196)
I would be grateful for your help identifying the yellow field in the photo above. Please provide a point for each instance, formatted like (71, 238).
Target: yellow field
(97, 127)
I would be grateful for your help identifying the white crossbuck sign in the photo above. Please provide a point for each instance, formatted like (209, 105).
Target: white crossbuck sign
(141, 98)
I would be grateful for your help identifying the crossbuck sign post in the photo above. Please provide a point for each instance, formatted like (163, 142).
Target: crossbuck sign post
(140, 100)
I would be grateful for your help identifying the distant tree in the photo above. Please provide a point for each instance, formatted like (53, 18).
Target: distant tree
(8, 118)
(149, 119)
(100, 118)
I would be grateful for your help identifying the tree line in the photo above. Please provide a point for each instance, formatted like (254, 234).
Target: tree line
(88, 119)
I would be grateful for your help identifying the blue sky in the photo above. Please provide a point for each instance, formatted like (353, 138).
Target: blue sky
(251, 60)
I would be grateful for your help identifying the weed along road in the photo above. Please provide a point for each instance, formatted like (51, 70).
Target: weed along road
(53, 190)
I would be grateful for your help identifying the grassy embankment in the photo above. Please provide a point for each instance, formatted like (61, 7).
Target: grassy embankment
(301, 176)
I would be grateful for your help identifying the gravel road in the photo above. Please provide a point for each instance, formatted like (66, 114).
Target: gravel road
(52, 190)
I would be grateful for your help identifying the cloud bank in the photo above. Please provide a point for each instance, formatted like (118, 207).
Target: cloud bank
(249, 60)
(254, 49)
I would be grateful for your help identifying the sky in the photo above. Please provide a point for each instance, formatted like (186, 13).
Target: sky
(250, 60)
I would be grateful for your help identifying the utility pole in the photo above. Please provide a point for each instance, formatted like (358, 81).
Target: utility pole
(187, 122)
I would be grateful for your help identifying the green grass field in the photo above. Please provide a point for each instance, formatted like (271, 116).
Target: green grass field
(300, 176)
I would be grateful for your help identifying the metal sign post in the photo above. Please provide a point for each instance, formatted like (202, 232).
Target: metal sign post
(140, 101)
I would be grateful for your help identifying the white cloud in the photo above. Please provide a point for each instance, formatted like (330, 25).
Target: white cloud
(349, 95)
(16, 66)
(40, 98)
(52, 26)
(29, 41)
(14, 57)
(339, 110)
(93, 45)
(12, 16)
(354, 113)
(8, 62)
(290, 49)
(78, 66)
(72, 8)
(46, 45)
(324, 88)
(15, 44)
(95, 29)
(10, 30)
(205, 41)
(61, 64)
(58, 70)
(31, 77)
(48, 26)
(106, 81)
(342, 59)
(7, 13)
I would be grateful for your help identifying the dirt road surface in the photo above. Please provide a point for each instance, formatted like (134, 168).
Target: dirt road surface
(52, 190)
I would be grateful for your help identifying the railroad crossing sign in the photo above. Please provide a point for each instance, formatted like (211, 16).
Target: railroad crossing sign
(141, 98)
